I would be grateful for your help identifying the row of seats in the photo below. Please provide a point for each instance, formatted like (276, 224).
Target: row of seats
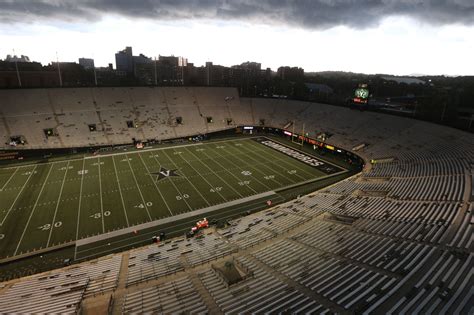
(261, 293)
(118, 115)
(155, 261)
(60, 291)
(442, 188)
(427, 167)
(397, 238)
(54, 293)
(173, 297)
(395, 210)
(445, 286)
(248, 231)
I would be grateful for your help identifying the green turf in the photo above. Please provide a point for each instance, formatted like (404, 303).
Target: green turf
(47, 204)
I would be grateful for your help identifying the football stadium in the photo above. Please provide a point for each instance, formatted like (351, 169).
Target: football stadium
(197, 200)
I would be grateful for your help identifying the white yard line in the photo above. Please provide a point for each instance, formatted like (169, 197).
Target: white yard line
(149, 150)
(200, 212)
(80, 201)
(57, 205)
(238, 179)
(306, 153)
(130, 152)
(208, 203)
(33, 210)
(139, 190)
(14, 201)
(256, 164)
(24, 165)
(342, 171)
(35, 163)
(101, 199)
(278, 162)
(265, 165)
(253, 177)
(174, 185)
(259, 149)
(156, 186)
(120, 191)
(170, 147)
(221, 177)
(1, 189)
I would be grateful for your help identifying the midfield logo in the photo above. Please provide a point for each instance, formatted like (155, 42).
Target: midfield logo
(163, 173)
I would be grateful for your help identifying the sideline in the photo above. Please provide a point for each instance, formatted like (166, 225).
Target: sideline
(171, 219)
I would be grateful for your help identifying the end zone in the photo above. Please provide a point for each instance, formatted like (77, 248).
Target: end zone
(319, 164)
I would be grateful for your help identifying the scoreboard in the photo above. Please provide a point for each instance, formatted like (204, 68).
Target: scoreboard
(361, 94)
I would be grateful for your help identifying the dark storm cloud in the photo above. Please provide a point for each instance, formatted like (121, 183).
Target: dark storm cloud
(312, 14)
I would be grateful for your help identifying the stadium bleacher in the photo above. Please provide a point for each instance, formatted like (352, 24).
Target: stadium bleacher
(397, 238)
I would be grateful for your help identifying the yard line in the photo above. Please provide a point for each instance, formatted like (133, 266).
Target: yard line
(254, 177)
(168, 147)
(174, 185)
(256, 164)
(57, 205)
(139, 190)
(9, 179)
(101, 200)
(221, 177)
(223, 167)
(120, 191)
(34, 163)
(33, 210)
(122, 153)
(265, 165)
(14, 201)
(257, 149)
(272, 161)
(208, 203)
(80, 201)
(255, 144)
(156, 186)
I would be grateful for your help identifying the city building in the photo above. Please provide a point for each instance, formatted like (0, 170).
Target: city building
(124, 60)
(15, 58)
(291, 73)
(87, 63)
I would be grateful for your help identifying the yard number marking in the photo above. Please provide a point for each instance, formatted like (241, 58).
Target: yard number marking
(215, 189)
(98, 215)
(48, 226)
(185, 196)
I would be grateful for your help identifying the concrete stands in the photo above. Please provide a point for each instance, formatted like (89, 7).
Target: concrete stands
(60, 291)
(55, 293)
(397, 238)
(178, 296)
(155, 261)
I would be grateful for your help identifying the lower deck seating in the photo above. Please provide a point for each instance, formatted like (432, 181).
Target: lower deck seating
(54, 293)
(260, 293)
(174, 297)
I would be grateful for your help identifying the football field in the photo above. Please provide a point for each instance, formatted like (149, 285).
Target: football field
(47, 204)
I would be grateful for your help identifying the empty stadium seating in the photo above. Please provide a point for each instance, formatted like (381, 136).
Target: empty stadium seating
(397, 238)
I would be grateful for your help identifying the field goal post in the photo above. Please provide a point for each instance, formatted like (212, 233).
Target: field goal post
(302, 135)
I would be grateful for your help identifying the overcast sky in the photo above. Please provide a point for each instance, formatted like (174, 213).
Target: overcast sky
(369, 36)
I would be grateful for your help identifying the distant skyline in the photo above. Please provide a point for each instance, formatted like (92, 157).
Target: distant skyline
(390, 37)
